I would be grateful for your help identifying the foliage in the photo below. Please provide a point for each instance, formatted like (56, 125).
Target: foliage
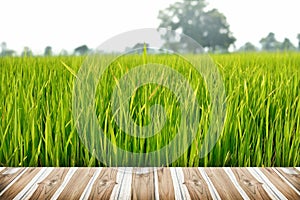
(48, 51)
(248, 47)
(81, 50)
(269, 43)
(262, 124)
(209, 28)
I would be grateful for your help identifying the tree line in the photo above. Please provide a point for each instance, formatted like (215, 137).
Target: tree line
(210, 29)
(5, 51)
(207, 27)
(270, 43)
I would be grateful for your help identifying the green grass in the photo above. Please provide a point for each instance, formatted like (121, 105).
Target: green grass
(262, 126)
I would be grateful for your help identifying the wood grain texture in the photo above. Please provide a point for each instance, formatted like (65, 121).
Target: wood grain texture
(145, 183)
(77, 183)
(142, 186)
(29, 189)
(29, 174)
(250, 185)
(222, 183)
(280, 184)
(123, 188)
(165, 184)
(230, 174)
(2, 168)
(180, 189)
(211, 187)
(292, 175)
(196, 185)
(8, 175)
(50, 184)
(104, 184)
(272, 191)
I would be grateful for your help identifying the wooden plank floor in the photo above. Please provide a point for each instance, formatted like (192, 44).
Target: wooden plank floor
(149, 183)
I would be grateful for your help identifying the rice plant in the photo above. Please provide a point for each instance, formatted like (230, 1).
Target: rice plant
(262, 126)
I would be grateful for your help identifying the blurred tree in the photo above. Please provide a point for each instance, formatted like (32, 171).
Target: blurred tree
(63, 52)
(48, 51)
(210, 29)
(81, 50)
(248, 47)
(270, 43)
(9, 52)
(5, 51)
(26, 52)
(298, 37)
(3, 48)
(287, 45)
(138, 48)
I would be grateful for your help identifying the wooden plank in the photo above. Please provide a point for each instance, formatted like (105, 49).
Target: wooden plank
(196, 185)
(280, 184)
(79, 181)
(50, 184)
(104, 184)
(87, 191)
(236, 183)
(67, 178)
(8, 175)
(286, 181)
(292, 175)
(250, 185)
(2, 168)
(144, 183)
(142, 186)
(24, 179)
(222, 183)
(165, 184)
(180, 189)
(156, 193)
(273, 192)
(123, 188)
(214, 193)
(29, 189)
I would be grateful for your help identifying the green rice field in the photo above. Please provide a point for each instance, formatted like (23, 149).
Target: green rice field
(261, 128)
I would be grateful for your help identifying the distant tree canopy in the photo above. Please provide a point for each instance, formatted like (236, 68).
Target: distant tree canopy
(138, 48)
(298, 37)
(48, 51)
(210, 29)
(248, 47)
(287, 45)
(269, 43)
(63, 52)
(5, 51)
(81, 50)
(26, 52)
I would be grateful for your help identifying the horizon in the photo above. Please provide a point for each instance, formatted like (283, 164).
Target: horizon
(56, 24)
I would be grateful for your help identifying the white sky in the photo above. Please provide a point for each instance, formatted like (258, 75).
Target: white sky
(66, 24)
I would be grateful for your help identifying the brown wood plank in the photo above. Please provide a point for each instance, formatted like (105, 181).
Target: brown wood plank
(104, 184)
(280, 184)
(21, 183)
(165, 184)
(8, 175)
(142, 186)
(222, 183)
(249, 184)
(50, 184)
(292, 175)
(77, 183)
(196, 185)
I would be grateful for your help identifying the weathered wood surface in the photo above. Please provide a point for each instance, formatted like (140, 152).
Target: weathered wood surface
(149, 183)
